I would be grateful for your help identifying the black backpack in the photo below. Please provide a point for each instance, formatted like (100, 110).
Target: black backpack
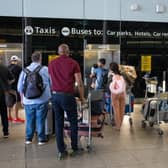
(105, 78)
(33, 85)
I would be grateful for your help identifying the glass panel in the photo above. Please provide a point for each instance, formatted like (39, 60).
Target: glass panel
(104, 39)
(45, 35)
(10, 38)
(100, 28)
(93, 52)
(9, 49)
(144, 39)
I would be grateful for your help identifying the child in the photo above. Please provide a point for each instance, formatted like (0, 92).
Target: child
(92, 75)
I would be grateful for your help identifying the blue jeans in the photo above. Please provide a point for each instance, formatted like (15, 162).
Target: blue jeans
(107, 102)
(35, 117)
(65, 102)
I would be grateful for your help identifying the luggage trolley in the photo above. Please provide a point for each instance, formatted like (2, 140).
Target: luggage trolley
(151, 86)
(95, 113)
(155, 110)
(129, 107)
(90, 118)
(90, 124)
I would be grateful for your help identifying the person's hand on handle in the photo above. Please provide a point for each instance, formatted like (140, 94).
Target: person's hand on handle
(79, 81)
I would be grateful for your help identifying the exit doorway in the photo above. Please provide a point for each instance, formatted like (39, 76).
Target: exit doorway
(93, 52)
(9, 49)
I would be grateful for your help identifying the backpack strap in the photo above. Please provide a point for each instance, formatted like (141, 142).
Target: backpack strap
(38, 68)
(115, 77)
(26, 70)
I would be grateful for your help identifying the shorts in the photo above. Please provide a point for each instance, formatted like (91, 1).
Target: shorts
(12, 99)
(18, 98)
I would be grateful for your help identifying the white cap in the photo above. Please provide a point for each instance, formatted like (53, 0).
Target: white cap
(14, 58)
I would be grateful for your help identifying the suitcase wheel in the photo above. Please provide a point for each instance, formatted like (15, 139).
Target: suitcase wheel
(151, 124)
(130, 121)
(143, 124)
(89, 148)
(160, 132)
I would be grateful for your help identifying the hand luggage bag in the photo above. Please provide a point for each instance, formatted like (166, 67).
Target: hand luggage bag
(49, 126)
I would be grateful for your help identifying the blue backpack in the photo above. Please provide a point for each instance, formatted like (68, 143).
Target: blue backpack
(104, 79)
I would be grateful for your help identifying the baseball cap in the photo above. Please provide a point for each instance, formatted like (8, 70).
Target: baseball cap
(14, 58)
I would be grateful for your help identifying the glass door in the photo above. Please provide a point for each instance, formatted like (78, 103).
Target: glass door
(93, 52)
(9, 49)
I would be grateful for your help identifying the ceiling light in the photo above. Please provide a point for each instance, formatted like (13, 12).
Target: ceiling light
(160, 8)
(135, 7)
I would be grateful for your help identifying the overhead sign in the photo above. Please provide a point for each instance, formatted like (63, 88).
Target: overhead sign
(73, 31)
(28, 30)
(65, 31)
(146, 61)
(37, 30)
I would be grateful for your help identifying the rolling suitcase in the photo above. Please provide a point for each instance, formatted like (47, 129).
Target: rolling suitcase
(49, 127)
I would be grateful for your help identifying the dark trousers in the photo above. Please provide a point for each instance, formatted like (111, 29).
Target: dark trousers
(3, 113)
(65, 103)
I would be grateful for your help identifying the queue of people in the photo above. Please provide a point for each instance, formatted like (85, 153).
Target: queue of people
(37, 85)
(112, 83)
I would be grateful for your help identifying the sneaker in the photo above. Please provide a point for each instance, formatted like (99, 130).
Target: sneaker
(10, 119)
(62, 155)
(42, 142)
(18, 120)
(28, 142)
(6, 135)
(76, 152)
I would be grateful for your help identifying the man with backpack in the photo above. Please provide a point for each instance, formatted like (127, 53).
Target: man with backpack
(101, 75)
(34, 88)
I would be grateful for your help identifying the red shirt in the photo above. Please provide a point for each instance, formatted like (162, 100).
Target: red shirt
(62, 70)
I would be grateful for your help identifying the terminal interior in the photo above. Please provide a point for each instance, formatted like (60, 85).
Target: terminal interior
(127, 43)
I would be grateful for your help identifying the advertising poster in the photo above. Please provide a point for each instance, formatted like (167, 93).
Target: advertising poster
(146, 63)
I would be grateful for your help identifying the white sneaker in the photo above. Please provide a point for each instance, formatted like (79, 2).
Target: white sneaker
(6, 136)
(42, 143)
(28, 142)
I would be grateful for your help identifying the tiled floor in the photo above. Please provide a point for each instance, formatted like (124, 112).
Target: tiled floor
(131, 148)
